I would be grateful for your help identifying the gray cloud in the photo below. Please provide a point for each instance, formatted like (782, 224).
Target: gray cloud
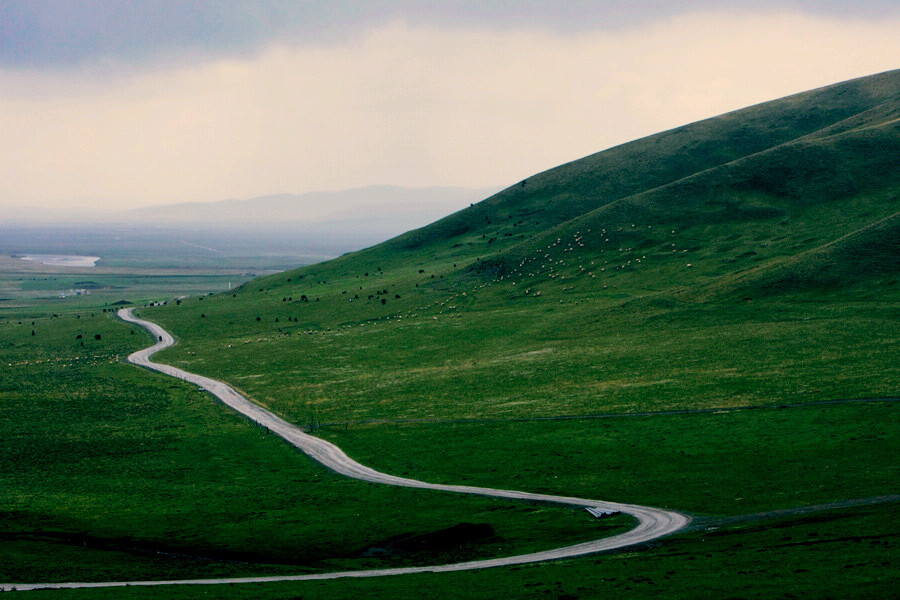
(40, 34)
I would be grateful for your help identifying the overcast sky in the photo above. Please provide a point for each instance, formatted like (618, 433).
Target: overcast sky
(113, 103)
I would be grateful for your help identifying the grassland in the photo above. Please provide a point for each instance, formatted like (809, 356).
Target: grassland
(748, 260)
(758, 272)
(824, 556)
(148, 478)
(720, 463)
(508, 362)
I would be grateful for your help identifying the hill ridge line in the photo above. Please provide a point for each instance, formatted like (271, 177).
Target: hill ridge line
(891, 73)
(833, 243)
(873, 109)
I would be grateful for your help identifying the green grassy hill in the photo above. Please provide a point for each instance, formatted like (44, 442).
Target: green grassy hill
(870, 255)
(820, 143)
(792, 200)
(722, 195)
(686, 210)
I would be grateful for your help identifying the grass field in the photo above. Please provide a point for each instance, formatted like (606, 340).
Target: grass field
(593, 357)
(713, 463)
(151, 466)
(838, 554)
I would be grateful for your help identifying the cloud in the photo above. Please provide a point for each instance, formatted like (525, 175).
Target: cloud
(412, 105)
(61, 34)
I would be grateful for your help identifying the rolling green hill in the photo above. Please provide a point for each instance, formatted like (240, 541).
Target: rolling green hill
(723, 195)
(795, 195)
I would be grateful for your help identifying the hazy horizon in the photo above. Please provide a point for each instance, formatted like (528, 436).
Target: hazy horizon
(386, 210)
(239, 102)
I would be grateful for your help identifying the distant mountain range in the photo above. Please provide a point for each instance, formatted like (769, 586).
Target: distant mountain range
(378, 211)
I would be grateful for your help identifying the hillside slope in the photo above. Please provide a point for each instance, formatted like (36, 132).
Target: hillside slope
(791, 203)
(574, 189)
(869, 254)
(808, 192)
(727, 193)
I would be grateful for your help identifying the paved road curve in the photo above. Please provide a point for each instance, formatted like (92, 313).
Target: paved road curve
(652, 522)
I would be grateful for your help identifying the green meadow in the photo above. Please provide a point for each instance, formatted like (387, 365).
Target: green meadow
(834, 554)
(704, 320)
(128, 475)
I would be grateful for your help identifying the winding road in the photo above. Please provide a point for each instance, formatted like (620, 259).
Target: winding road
(653, 523)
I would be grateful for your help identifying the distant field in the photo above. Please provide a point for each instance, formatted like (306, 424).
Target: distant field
(133, 247)
(25, 284)
(140, 264)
